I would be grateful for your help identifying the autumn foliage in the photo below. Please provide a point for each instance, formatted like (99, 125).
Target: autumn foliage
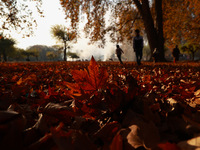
(80, 105)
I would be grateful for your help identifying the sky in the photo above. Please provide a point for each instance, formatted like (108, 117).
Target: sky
(53, 14)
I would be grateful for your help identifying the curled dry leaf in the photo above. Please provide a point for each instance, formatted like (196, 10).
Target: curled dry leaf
(143, 132)
(192, 144)
(51, 114)
(56, 109)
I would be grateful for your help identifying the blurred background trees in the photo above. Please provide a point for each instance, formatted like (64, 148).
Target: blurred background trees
(64, 35)
(6, 47)
(73, 55)
(190, 49)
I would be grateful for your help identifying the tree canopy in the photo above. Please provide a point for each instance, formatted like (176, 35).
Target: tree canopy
(181, 21)
(18, 15)
(190, 49)
(6, 46)
(170, 21)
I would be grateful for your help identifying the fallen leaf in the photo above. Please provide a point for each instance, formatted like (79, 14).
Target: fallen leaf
(117, 143)
(168, 146)
(143, 132)
(191, 144)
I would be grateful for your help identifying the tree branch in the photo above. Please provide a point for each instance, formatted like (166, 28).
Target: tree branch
(136, 17)
(138, 4)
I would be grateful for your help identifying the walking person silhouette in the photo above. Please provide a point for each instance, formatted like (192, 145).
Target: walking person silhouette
(119, 52)
(176, 53)
(138, 46)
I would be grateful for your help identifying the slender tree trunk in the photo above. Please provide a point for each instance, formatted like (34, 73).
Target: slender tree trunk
(4, 55)
(192, 56)
(65, 51)
(28, 59)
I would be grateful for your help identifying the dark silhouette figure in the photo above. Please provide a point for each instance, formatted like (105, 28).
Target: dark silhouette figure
(176, 53)
(138, 46)
(119, 52)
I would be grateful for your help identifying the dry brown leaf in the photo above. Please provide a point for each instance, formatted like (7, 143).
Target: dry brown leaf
(143, 132)
(192, 144)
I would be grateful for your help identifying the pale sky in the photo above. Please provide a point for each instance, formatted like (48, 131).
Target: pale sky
(55, 15)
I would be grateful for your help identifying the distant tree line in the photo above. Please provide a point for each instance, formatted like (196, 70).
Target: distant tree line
(8, 52)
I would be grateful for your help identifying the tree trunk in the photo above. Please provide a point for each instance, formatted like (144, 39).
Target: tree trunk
(4, 55)
(149, 24)
(154, 34)
(159, 24)
(192, 56)
(65, 51)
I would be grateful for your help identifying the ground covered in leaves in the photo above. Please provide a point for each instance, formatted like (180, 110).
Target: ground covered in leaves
(99, 106)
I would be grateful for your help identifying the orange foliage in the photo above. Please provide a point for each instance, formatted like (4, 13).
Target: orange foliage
(180, 19)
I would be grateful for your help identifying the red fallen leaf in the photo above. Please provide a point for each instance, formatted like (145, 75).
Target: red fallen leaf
(146, 78)
(90, 112)
(98, 77)
(91, 80)
(51, 91)
(19, 81)
(168, 146)
(74, 89)
(192, 89)
(31, 78)
(15, 77)
(117, 143)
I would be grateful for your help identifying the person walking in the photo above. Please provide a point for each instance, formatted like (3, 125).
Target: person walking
(138, 46)
(176, 53)
(119, 52)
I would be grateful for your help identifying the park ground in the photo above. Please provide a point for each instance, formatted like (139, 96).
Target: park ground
(91, 105)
